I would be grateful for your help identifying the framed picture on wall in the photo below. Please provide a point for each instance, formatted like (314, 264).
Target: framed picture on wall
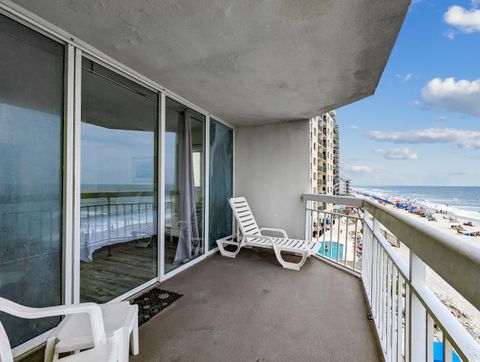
(143, 170)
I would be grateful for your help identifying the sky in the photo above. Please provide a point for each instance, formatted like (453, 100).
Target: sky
(422, 125)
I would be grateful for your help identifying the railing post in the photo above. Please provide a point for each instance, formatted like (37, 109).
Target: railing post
(308, 223)
(109, 217)
(417, 326)
(375, 261)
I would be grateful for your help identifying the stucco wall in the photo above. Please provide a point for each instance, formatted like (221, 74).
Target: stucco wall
(271, 171)
(283, 59)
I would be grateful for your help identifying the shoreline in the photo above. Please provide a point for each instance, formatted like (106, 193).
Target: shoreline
(460, 211)
(444, 220)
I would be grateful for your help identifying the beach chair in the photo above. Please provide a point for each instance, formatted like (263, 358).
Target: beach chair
(251, 235)
(101, 351)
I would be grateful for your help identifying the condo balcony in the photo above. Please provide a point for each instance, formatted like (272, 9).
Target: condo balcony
(373, 303)
(251, 316)
(125, 129)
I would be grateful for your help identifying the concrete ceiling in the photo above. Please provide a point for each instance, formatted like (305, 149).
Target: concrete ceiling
(247, 61)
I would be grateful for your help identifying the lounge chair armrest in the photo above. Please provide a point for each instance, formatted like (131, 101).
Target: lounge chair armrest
(93, 310)
(281, 231)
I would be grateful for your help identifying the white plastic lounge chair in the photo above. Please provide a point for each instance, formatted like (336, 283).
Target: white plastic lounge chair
(73, 333)
(101, 351)
(251, 235)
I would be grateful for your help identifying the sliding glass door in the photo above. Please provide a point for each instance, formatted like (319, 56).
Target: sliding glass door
(221, 182)
(118, 174)
(184, 184)
(118, 226)
(31, 146)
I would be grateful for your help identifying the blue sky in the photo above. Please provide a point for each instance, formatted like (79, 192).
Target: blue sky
(421, 127)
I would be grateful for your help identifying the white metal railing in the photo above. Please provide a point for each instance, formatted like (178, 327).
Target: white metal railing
(408, 316)
(339, 233)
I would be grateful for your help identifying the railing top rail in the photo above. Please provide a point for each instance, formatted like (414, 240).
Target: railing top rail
(107, 194)
(331, 199)
(455, 260)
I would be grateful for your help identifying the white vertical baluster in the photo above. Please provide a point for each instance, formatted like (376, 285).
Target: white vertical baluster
(406, 332)
(308, 221)
(375, 269)
(378, 282)
(339, 223)
(355, 244)
(400, 326)
(382, 297)
(331, 237)
(418, 323)
(324, 232)
(447, 349)
(394, 330)
(388, 314)
(429, 340)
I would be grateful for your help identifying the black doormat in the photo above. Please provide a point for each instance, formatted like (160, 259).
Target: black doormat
(153, 302)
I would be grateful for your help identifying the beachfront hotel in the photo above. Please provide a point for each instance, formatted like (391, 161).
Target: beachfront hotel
(344, 187)
(126, 127)
(324, 154)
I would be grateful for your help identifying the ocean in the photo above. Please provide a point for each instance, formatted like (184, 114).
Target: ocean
(462, 201)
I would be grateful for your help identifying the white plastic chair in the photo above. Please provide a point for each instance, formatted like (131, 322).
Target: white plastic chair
(101, 350)
(252, 236)
(73, 333)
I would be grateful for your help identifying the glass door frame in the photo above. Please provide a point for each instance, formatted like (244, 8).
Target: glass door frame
(73, 53)
(206, 184)
(67, 142)
(206, 130)
(79, 55)
(76, 161)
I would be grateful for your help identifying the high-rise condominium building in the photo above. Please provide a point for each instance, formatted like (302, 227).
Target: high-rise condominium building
(324, 154)
(344, 188)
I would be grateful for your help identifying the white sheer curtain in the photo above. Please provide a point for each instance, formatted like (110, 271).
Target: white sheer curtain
(189, 241)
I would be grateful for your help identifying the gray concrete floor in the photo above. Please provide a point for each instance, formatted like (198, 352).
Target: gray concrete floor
(250, 309)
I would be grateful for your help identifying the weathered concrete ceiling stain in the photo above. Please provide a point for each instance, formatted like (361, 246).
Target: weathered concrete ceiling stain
(247, 61)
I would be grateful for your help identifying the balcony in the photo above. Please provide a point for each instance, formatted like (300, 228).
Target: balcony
(118, 144)
(341, 306)
(250, 309)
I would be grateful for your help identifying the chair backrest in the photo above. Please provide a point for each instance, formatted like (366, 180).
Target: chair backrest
(5, 351)
(244, 216)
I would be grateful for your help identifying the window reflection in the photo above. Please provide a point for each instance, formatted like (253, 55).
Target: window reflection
(118, 226)
(31, 138)
(221, 181)
(184, 184)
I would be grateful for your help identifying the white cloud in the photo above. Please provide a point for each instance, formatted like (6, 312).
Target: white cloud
(403, 153)
(405, 78)
(465, 20)
(450, 34)
(441, 119)
(358, 169)
(458, 137)
(354, 126)
(462, 95)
